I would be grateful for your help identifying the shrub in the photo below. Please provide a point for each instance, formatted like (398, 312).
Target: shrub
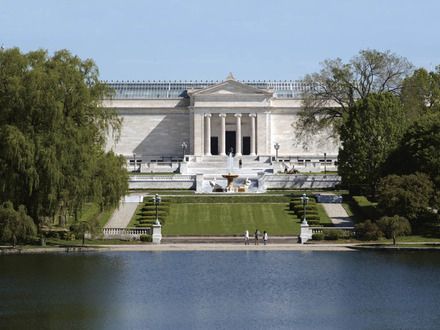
(313, 222)
(145, 238)
(367, 231)
(147, 221)
(300, 208)
(153, 213)
(318, 236)
(332, 235)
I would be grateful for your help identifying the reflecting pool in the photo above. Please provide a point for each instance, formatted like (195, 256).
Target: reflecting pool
(221, 290)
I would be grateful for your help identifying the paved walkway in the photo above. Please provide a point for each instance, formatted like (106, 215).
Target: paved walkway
(122, 216)
(337, 214)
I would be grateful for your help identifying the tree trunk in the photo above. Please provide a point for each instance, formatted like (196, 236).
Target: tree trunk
(394, 239)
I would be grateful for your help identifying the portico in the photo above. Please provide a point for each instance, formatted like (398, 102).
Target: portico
(237, 137)
(226, 119)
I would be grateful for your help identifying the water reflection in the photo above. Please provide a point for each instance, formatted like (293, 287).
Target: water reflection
(201, 290)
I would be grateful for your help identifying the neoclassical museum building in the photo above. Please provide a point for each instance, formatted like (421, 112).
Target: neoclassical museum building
(193, 126)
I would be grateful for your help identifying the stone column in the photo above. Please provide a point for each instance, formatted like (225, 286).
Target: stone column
(207, 134)
(223, 134)
(238, 135)
(252, 116)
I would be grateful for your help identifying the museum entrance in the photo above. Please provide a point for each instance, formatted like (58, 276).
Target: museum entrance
(246, 145)
(214, 145)
(230, 142)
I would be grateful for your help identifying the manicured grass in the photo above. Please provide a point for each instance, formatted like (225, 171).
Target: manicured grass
(230, 219)
(323, 217)
(91, 211)
(136, 216)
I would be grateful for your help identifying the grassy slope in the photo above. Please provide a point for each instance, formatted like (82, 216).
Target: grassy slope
(230, 219)
(91, 211)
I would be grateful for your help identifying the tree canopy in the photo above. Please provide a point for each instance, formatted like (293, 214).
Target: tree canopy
(421, 93)
(15, 225)
(418, 149)
(338, 86)
(409, 196)
(394, 227)
(370, 131)
(52, 133)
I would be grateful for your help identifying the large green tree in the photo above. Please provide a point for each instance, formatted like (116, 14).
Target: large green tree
(410, 196)
(419, 149)
(370, 131)
(334, 90)
(394, 227)
(421, 93)
(52, 131)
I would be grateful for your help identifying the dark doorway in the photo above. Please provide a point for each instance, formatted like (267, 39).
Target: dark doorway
(246, 145)
(230, 142)
(214, 145)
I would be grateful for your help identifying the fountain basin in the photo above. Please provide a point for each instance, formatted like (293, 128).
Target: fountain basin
(230, 178)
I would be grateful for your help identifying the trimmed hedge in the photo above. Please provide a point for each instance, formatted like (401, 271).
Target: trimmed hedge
(313, 222)
(312, 214)
(365, 208)
(228, 199)
(152, 213)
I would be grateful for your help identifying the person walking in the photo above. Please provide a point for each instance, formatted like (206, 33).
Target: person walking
(265, 237)
(246, 237)
(257, 233)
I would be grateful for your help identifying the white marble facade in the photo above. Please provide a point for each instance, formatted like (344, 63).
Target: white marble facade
(212, 121)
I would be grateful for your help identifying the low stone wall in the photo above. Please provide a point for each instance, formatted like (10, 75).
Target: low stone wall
(299, 181)
(162, 182)
(265, 181)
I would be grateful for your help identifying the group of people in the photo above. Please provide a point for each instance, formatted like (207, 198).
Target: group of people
(257, 235)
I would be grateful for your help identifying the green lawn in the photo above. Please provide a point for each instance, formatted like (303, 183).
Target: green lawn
(324, 218)
(92, 211)
(230, 219)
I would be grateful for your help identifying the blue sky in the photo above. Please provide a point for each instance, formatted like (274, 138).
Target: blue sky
(204, 40)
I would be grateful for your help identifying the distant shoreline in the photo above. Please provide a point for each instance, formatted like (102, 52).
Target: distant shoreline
(185, 247)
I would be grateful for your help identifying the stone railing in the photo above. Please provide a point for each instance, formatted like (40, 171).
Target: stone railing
(317, 230)
(176, 181)
(125, 233)
(307, 231)
(158, 177)
(301, 181)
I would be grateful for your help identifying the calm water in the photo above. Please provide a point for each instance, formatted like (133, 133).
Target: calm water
(221, 290)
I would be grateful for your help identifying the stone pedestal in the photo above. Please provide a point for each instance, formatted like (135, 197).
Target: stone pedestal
(199, 183)
(157, 233)
(306, 232)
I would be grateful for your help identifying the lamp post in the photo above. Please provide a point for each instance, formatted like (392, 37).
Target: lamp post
(184, 146)
(304, 200)
(134, 160)
(277, 147)
(325, 163)
(156, 201)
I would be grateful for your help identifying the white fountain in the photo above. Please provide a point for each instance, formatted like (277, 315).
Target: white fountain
(230, 177)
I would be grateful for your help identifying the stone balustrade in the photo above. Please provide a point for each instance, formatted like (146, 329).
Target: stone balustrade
(177, 181)
(125, 233)
(317, 230)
